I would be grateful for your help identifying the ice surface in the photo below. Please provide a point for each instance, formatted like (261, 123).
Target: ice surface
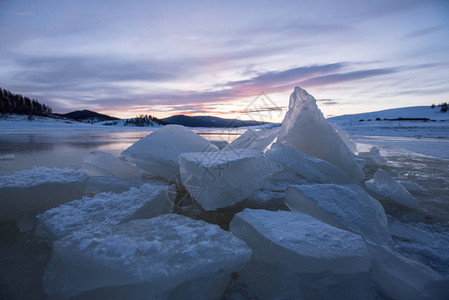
(402, 278)
(300, 242)
(308, 166)
(345, 137)
(99, 163)
(220, 179)
(384, 186)
(254, 139)
(37, 189)
(159, 152)
(305, 129)
(106, 210)
(346, 207)
(154, 256)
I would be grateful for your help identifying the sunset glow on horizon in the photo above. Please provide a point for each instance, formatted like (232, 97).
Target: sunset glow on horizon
(215, 58)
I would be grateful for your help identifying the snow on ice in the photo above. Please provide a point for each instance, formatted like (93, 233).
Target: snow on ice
(159, 257)
(105, 210)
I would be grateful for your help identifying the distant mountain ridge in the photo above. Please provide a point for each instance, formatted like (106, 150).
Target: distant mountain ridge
(209, 121)
(87, 115)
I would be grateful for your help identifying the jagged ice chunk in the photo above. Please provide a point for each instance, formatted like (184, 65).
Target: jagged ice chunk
(386, 187)
(98, 163)
(254, 139)
(224, 178)
(300, 242)
(159, 152)
(308, 166)
(346, 207)
(305, 129)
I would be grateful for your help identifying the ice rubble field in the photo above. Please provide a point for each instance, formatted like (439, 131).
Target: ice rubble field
(296, 212)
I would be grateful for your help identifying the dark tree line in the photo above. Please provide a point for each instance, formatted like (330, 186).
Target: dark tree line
(143, 121)
(443, 106)
(11, 103)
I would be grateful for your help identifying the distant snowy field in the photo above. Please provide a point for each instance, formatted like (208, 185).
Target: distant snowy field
(437, 125)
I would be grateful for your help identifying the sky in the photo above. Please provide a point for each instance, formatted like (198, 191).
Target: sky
(225, 58)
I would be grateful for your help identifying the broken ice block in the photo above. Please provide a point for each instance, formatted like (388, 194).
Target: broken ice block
(300, 242)
(146, 259)
(106, 209)
(308, 166)
(274, 281)
(158, 153)
(27, 192)
(372, 158)
(224, 178)
(99, 163)
(345, 207)
(254, 139)
(403, 278)
(383, 186)
(305, 129)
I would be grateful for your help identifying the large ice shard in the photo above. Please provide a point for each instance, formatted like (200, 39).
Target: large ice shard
(346, 207)
(300, 242)
(385, 187)
(158, 153)
(308, 166)
(402, 278)
(345, 137)
(38, 189)
(167, 257)
(296, 256)
(305, 129)
(259, 139)
(99, 163)
(224, 178)
(106, 210)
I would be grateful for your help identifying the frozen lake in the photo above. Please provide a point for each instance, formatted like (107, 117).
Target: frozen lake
(23, 149)
(423, 161)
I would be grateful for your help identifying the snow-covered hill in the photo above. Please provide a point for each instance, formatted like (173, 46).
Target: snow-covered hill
(417, 121)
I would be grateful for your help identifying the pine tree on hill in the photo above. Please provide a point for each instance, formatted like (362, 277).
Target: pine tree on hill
(17, 104)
